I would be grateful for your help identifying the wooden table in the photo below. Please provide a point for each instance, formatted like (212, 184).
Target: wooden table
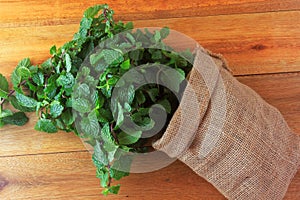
(259, 38)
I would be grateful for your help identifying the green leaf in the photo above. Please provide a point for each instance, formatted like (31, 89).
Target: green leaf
(111, 190)
(100, 154)
(110, 56)
(81, 105)
(105, 115)
(153, 94)
(24, 63)
(16, 104)
(15, 78)
(109, 143)
(26, 101)
(103, 175)
(68, 63)
(120, 117)
(83, 90)
(23, 72)
(53, 50)
(126, 64)
(5, 113)
(140, 97)
(92, 11)
(90, 125)
(38, 78)
(116, 174)
(18, 118)
(66, 81)
(47, 65)
(171, 79)
(166, 104)
(126, 139)
(3, 86)
(67, 117)
(157, 36)
(45, 125)
(56, 109)
(164, 32)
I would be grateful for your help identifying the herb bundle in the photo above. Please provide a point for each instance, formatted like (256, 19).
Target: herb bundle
(73, 89)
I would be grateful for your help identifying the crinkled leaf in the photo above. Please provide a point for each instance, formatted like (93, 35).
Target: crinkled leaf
(56, 109)
(26, 101)
(16, 104)
(120, 115)
(38, 78)
(45, 125)
(164, 32)
(18, 118)
(111, 190)
(81, 105)
(100, 154)
(66, 81)
(68, 63)
(92, 11)
(3, 86)
(23, 72)
(90, 126)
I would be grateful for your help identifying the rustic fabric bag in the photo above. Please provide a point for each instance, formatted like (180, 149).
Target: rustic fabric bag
(232, 138)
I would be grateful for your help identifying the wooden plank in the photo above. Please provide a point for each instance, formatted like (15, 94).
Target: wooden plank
(15, 140)
(253, 44)
(35, 12)
(280, 90)
(72, 176)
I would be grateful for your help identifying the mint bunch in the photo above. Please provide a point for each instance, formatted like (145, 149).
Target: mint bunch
(74, 90)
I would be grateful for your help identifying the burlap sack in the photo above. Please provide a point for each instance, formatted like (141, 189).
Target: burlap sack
(233, 138)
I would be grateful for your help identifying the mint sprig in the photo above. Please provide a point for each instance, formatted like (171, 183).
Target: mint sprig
(72, 90)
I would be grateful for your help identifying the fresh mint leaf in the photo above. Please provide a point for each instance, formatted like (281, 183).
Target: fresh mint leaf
(45, 125)
(53, 50)
(126, 64)
(56, 109)
(130, 138)
(18, 118)
(68, 63)
(81, 105)
(16, 104)
(26, 101)
(92, 11)
(164, 32)
(23, 72)
(90, 125)
(3, 86)
(38, 78)
(100, 153)
(120, 116)
(166, 104)
(111, 190)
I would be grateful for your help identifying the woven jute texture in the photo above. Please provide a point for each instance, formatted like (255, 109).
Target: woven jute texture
(232, 138)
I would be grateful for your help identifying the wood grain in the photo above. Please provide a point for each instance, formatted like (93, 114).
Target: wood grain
(36, 12)
(252, 43)
(255, 36)
(72, 176)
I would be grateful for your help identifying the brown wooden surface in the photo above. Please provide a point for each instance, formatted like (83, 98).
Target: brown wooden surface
(259, 38)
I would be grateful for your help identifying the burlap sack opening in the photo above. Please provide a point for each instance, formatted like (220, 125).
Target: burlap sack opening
(246, 152)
